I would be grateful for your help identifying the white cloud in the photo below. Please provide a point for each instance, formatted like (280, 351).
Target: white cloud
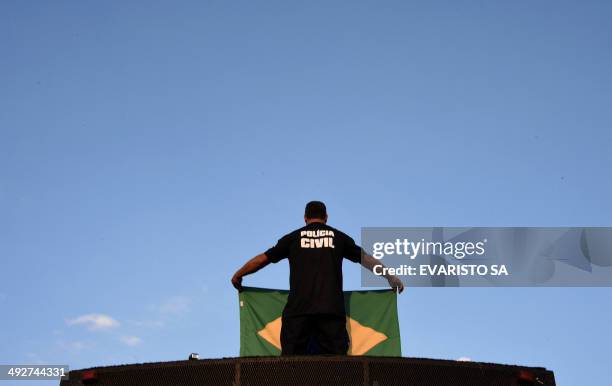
(131, 340)
(176, 305)
(94, 321)
(464, 359)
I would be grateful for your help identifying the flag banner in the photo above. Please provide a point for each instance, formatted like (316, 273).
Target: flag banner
(371, 322)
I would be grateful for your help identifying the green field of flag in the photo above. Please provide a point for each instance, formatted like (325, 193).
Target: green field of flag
(372, 322)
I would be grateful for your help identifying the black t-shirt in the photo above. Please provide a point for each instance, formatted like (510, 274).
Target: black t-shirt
(315, 255)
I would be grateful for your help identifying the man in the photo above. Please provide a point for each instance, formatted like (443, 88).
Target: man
(314, 315)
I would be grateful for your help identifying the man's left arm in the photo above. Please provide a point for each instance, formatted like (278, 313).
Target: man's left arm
(251, 266)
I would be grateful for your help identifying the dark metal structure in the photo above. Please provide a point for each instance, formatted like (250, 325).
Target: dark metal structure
(312, 370)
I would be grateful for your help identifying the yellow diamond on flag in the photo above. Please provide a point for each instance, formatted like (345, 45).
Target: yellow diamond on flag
(271, 332)
(363, 338)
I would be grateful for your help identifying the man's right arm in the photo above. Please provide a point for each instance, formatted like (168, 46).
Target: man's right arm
(370, 262)
(356, 254)
(251, 266)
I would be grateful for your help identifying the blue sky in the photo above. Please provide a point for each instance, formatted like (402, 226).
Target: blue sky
(147, 151)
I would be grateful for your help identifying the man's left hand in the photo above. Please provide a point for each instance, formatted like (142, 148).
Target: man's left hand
(237, 282)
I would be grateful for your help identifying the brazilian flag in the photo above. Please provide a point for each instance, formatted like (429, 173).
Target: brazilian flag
(371, 322)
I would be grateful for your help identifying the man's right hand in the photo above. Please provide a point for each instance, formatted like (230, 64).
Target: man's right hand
(237, 282)
(396, 284)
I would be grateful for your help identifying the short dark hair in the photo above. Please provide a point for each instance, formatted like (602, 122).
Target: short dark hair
(315, 209)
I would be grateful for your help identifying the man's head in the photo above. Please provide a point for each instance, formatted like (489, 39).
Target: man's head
(315, 212)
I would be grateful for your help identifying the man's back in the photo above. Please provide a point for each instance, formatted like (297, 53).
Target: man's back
(315, 254)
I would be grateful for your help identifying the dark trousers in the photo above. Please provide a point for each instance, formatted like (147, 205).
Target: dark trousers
(314, 334)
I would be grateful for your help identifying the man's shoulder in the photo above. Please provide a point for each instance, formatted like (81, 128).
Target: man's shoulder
(293, 233)
(338, 232)
(297, 232)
